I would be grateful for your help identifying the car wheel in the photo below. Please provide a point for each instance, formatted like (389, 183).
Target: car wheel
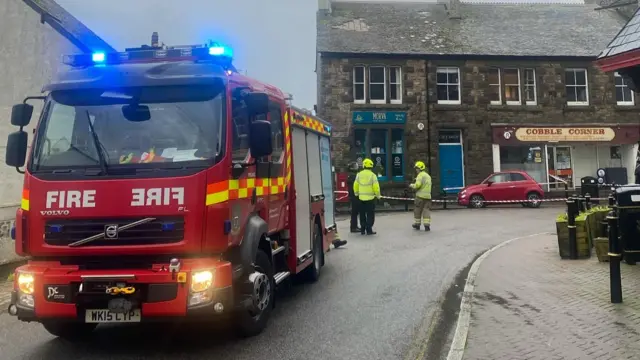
(476, 201)
(534, 200)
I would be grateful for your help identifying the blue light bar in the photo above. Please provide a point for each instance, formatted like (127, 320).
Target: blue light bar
(219, 50)
(98, 57)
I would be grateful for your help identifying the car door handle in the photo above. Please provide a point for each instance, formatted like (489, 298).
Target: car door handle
(512, 186)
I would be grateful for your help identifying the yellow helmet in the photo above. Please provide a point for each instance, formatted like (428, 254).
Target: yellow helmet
(420, 166)
(367, 164)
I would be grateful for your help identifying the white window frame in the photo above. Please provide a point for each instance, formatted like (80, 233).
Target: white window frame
(363, 84)
(624, 85)
(448, 70)
(534, 86)
(499, 85)
(397, 84)
(586, 86)
(519, 84)
(383, 83)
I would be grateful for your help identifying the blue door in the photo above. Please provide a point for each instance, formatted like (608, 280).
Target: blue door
(451, 172)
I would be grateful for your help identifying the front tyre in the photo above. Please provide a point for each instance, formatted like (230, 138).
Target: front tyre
(71, 331)
(251, 322)
(534, 200)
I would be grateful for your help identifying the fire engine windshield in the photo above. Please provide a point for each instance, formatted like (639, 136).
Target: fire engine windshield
(154, 126)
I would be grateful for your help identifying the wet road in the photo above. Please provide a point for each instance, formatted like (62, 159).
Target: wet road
(374, 299)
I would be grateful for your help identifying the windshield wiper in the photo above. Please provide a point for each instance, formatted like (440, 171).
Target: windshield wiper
(96, 142)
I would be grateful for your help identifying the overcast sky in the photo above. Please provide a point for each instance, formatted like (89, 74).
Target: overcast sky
(273, 40)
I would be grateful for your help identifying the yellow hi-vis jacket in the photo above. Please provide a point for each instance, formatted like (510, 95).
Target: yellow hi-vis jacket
(422, 185)
(366, 186)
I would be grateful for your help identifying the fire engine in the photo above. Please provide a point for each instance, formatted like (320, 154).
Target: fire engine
(162, 184)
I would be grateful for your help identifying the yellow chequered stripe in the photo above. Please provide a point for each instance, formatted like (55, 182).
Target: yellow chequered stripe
(310, 123)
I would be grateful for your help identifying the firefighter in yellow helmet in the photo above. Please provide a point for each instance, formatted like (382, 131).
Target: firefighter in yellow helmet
(422, 206)
(367, 189)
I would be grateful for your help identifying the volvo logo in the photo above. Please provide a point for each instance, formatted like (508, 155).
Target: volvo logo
(111, 231)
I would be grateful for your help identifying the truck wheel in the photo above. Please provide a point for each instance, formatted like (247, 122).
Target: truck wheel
(312, 273)
(251, 322)
(71, 331)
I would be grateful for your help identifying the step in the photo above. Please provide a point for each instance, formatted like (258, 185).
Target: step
(278, 250)
(279, 277)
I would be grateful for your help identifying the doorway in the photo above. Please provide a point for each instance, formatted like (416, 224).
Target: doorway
(560, 164)
(451, 160)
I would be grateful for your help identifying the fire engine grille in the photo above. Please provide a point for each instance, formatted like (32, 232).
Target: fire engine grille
(162, 230)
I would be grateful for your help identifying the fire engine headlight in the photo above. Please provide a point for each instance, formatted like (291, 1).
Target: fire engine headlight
(26, 283)
(201, 280)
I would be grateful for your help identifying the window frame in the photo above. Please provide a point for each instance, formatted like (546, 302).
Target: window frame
(499, 85)
(363, 84)
(623, 86)
(445, 69)
(398, 84)
(388, 174)
(533, 86)
(275, 107)
(586, 86)
(383, 83)
(519, 85)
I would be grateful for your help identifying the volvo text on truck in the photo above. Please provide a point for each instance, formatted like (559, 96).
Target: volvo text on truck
(162, 184)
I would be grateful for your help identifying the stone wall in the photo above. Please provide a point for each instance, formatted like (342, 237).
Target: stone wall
(474, 116)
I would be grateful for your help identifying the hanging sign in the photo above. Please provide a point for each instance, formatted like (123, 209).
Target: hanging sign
(557, 134)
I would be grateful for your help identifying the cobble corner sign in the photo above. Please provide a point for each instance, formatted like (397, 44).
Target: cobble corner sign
(379, 117)
(568, 134)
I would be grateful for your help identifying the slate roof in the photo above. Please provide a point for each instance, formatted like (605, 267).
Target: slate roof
(628, 39)
(68, 26)
(484, 29)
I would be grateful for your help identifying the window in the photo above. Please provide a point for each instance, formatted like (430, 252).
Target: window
(498, 178)
(359, 89)
(277, 137)
(448, 83)
(530, 97)
(576, 87)
(518, 177)
(512, 86)
(383, 147)
(240, 131)
(494, 86)
(395, 84)
(624, 95)
(377, 85)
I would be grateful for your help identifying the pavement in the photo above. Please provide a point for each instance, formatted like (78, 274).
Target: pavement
(530, 304)
(386, 297)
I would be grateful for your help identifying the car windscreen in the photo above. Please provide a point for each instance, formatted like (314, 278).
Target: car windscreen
(141, 126)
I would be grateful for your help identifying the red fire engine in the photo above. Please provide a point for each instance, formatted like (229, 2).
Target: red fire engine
(162, 184)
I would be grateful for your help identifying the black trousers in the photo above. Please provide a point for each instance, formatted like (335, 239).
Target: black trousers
(367, 215)
(355, 212)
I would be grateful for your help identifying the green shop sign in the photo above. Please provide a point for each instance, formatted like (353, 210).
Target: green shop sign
(379, 117)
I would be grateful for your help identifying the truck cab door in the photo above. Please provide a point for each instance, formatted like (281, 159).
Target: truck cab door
(277, 169)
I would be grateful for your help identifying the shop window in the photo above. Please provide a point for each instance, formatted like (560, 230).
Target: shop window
(385, 147)
(359, 88)
(512, 86)
(377, 85)
(360, 144)
(494, 86)
(395, 84)
(530, 96)
(527, 158)
(379, 152)
(576, 87)
(448, 85)
(624, 95)
(397, 154)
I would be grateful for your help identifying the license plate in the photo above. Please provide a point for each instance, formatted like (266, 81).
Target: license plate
(107, 316)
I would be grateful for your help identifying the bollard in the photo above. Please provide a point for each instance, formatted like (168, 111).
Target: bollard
(612, 200)
(566, 190)
(572, 211)
(444, 197)
(587, 202)
(579, 204)
(615, 256)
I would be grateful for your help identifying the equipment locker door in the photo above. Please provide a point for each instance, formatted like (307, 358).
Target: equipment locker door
(301, 179)
(327, 181)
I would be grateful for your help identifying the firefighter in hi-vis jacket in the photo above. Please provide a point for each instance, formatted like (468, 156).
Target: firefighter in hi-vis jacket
(367, 189)
(422, 207)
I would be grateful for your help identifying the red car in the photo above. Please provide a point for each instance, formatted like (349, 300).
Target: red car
(503, 185)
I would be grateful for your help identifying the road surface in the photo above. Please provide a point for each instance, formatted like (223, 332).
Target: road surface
(375, 300)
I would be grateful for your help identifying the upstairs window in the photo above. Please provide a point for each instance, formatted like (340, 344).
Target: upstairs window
(624, 95)
(395, 84)
(495, 93)
(377, 84)
(576, 87)
(448, 85)
(359, 87)
(512, 86)
(530, 96)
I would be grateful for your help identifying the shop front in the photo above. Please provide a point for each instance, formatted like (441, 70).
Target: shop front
(568, 152)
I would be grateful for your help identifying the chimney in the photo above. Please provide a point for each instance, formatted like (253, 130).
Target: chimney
(454, 9)
(324, 6)
(155, 42)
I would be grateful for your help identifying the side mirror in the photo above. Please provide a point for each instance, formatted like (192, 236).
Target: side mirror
(258, 103)
(21, 114)
(16, 149)
(260, 139)
(489, 182)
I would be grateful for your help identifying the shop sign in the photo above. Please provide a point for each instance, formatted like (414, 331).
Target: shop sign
(379, 117)
(555, 134)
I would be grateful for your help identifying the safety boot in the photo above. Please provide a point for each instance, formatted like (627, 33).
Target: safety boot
(427, 228)
(416, 226)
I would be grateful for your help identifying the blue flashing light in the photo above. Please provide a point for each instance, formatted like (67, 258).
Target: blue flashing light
(13, 232)
(168, 226)
(219, 50)
(98, 57)
(55, 228)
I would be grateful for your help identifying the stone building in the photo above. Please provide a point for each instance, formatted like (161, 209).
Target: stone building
(35, 36)
(474, 87)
